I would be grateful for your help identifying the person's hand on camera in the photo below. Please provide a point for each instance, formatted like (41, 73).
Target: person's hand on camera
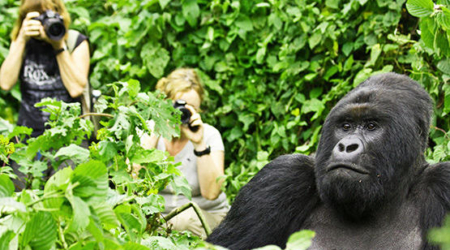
(30, 27)
(34, 28)
(196, 121)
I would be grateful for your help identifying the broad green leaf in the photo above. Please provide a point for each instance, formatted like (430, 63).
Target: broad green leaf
(244, 23)
(107, 150)
(9, 205)
(5, 239)
(158, 242)
(135, 246)
(191, 11)
(444, 66)
(300, 240)
(6, 186)
(163, 3)
(93, 180)
(427, 29)
(334, 4)
(181, 186)
(374, 54)
(420, 8)
(155, 58)
(73, 152)
(81, 213)
(315, 39)
(148, 156)
(313, 105)
(106, 214)
(441, 43)
(133, 87)
(40, 232)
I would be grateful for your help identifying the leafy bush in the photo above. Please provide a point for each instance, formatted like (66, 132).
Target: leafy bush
(272, 69)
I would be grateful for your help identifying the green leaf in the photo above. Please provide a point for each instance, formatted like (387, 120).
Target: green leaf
(191, 11)
(427, 29)
(155, 58)
(163, 3)
(420, 8)
(181, 186)
(148, 156)
(135, 246)
(313, 105)
(375, 53)
(9, 205)
(244, 23)
(6, 186)
(73, 152)
(444, 66)
(81, 213)
(315, 39)
(40, 232)
(106, 214)
(300, 240)
(441, 43)
(5, 240)
(133, 88)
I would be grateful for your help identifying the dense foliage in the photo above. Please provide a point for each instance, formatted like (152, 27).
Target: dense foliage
(273, 69)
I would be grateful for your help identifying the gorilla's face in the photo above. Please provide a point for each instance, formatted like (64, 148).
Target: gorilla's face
(369, 144)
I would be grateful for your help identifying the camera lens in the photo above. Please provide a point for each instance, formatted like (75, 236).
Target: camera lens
(185, 115)
(55, 30)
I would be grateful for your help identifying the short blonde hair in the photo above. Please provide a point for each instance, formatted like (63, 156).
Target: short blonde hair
(40, 6)
(180, 81)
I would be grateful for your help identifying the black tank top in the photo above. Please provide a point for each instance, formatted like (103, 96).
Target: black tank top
(40, 78)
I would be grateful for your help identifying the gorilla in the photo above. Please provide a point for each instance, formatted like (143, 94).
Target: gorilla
(369, 186)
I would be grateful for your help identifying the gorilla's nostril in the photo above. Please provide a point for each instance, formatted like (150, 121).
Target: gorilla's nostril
(341, 147)
(352, 148)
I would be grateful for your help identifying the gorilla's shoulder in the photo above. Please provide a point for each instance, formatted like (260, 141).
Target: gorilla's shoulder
(435, 172)
(436, 179)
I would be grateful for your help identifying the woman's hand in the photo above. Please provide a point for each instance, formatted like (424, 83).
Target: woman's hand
(30, 27)
(196, 121)
(33, 28)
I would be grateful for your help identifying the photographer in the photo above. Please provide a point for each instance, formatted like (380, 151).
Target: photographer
(40, 58)
(199, 149)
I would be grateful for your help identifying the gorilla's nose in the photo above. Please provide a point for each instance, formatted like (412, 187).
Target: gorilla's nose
(348, 149)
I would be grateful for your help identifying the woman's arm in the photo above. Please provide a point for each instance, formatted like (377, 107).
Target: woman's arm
(9, 72)
(210, 166)
(74, 68)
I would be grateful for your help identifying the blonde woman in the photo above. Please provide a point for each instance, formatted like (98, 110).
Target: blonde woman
(201, 153)
(44, 66)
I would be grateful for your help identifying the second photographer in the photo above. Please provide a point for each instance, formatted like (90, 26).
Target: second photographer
(40, 58)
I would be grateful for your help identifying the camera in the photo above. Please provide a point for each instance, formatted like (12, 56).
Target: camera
(185, 114)
(53, 24)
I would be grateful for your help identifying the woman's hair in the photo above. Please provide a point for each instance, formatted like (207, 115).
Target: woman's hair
(40, 6)
(180, 81)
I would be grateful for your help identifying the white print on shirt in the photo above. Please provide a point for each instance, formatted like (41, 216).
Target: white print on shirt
(36, 74)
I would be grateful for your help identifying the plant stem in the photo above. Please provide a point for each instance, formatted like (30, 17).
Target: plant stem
(61, 235)
(197, 210)
(96, 114)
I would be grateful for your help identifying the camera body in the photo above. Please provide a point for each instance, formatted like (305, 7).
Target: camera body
(185, 114)
(53, 25)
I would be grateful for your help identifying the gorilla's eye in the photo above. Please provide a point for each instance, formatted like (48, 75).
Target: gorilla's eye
(346, 126)
(371, 126)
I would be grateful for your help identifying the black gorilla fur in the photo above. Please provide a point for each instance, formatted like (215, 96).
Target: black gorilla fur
(369, 186)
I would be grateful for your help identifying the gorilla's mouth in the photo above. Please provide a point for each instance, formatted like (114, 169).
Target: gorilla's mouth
(352, 167)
